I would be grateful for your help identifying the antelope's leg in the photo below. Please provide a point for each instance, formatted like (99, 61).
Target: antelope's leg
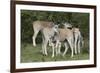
(34, 36)
(79, 46)
(50, 43)
(59, 48)
(70, 41)
(75, 42)
(66, 48)
(53, 49)
(45, 46)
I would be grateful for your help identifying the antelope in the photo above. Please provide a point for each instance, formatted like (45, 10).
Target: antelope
(78, 39)
(48, 33)
(39, 26)
(48, 30)
(66, 36)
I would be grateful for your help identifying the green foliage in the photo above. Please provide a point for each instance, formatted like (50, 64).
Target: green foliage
(29, 16)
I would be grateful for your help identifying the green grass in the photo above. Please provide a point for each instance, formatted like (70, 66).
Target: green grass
(34, 54)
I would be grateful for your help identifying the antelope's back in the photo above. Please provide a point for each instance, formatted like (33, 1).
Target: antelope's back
(44, 24)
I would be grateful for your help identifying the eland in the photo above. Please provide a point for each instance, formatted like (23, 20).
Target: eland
(78, 39)
(39, 26)
(48, 30)
(66, 36)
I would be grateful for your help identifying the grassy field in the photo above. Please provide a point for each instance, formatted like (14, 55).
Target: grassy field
(34, 54)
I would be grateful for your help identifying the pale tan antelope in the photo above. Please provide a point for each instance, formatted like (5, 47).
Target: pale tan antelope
(48, 30)
(39, 26)
(78, 39)
(66, 36)
(72, 36)
(48, 33)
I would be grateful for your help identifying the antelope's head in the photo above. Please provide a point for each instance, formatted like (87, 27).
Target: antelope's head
(55, 28)
(67, 25)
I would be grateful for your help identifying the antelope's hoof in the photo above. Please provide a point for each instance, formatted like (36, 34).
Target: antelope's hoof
(34, 45)
(72, 56)
(44, 54)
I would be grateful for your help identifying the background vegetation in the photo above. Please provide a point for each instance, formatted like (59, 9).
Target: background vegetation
(29, 16)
